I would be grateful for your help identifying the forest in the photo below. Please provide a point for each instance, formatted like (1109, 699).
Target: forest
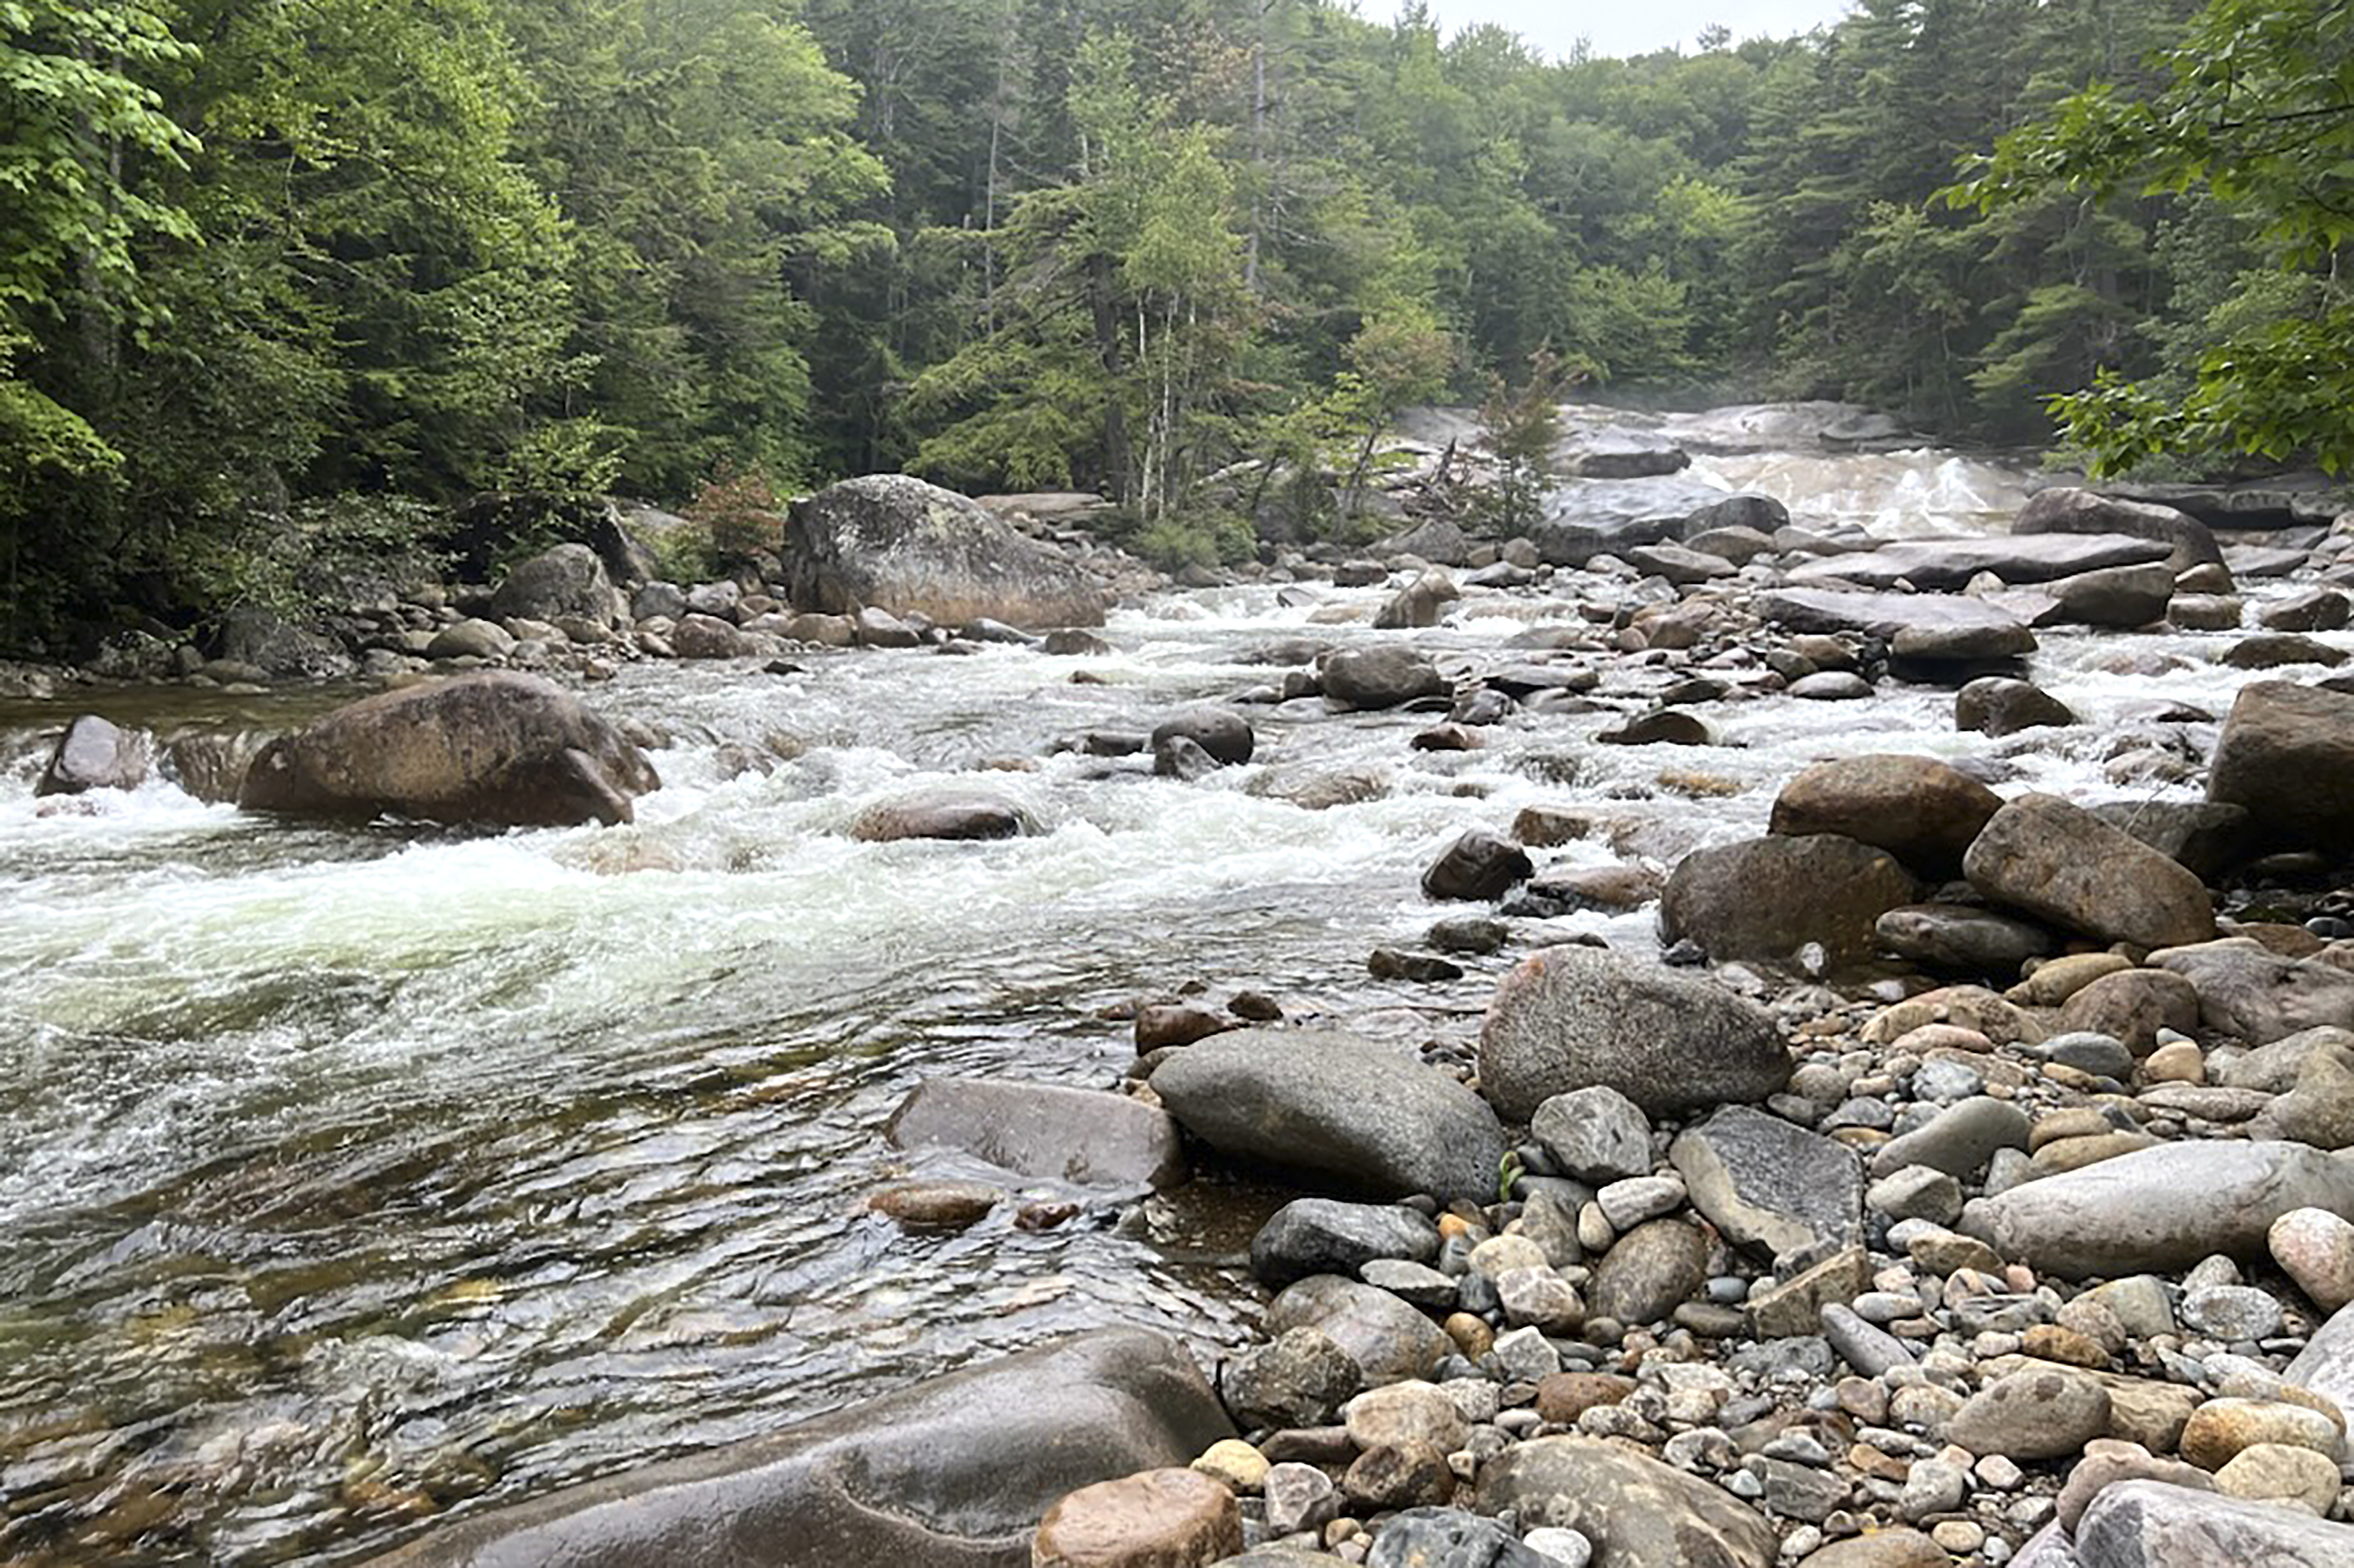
(281, 278)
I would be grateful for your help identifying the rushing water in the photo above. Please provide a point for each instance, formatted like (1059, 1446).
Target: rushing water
(351, 1176)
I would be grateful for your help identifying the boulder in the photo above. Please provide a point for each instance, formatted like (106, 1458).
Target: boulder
(943, 813)
(2252, 994)
(261, 640)
(698, 636)
(2326, 1365)
(2148, 1524)
(93, 754)
(1948, 565)
(1567, 1017)
(1917, 809)
(1049, 1131)
(470, 639)
(1617, 452)
(954, 1471)
(211, 765)
(893, 542)
(496, 750)
(1949, 624)
(1768, 1184)
(1421, 603)
(2068, 510)
(1590, 517)
(2163, 1208)
(1771, 898)
(2287, 757)
(2119, 597)
(2060, 863)
(1328, 1104)
(1389, 1341)
(1478, 865)
(567, 581)
(1325, 1235)
(1998, 705)
(1956, 939)
(1637, 1513)
(2209, 838)
(1226, 736)
(1382, 677)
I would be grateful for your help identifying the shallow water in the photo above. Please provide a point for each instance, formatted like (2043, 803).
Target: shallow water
(351, 1176)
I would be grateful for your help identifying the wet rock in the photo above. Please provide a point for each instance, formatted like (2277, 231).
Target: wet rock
(1478, 867)
(1649, 1271)
(2032, 1415)
(1335, 1106)
(1597, 1134)
(1164, 1023)
(1389, 1341)
(2159, 1207)
(1663, 726)
(1997, 706)
(1420, 603)
(93, 754)
(935, 1205)
(567, 581)
(2278, 649)
(2148, 1524)
(1324, 1235)
(1083, 1136)
(954, 1472)
(211, 766)
(896, 543)
(1772, 898)
(1382, 677)
(1302, 1377)
(2286, 757)
(1766, 1184)
(947, 812)
(1226, 736)
(1637, 1513)
(496, 749)
(2068, 510)
(1569, 1017)
(1168, 1518)
(1957, 940)
(1917, 809)
(2060, 863)
(1948, 565)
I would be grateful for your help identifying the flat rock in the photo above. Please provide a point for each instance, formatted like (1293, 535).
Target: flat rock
(2148, 1524)
(1325, 1235)
(1891, 615)
(1948, 565)
(2162, 1208)
(1637, 1513)
(1567, 1017)
(2060, 863)
(1768, 1184)
(1174, 1517)
(1085, 1136)
(1335, 1106)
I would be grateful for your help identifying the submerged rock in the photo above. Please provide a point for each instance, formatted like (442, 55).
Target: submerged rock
(1043, 1129)
(954, 1471)
(497, 749)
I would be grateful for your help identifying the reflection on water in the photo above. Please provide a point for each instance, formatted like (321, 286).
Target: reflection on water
(349, 1176)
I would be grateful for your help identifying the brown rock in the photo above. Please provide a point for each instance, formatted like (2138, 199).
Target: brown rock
(2133, 1005)
(1918, 810)
(1564, 1396)
(935, 1205)
(2059, 862)
(1158, 1518)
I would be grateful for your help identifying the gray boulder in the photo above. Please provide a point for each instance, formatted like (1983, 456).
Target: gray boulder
(1770, 898)
(2287, 757)
(1998, 705)
(1590, 517)
(2148, 1524)
(567, 581)
(1043, 1129)
(497, 749)
(893, 542)
(2159, 1209)
(2207, 837)
(1948, 565)
(947, 812)
(1768, 1184)
(2120, 597)
(1946, 623)
(2060, 863)
(1389, 1341)
(2253, 994)
(2326, 1365)
(94, 754)
(261, 639)
(2067, 510)
(1335, 1106)
(954, 1472)
(1325, 1235)
(1637, 1513)
(1383, 677)
(1568, 1016)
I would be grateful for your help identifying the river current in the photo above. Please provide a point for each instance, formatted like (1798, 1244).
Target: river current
(349, 1177)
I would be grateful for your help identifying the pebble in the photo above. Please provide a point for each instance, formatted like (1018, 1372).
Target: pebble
(1526, 1355)
(1234, 1462)
(1563, 1548)
(2232, 1312)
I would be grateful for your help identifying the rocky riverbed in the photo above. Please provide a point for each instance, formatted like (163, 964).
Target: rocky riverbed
(1809, 1024)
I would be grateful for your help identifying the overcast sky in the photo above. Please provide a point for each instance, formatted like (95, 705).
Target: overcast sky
(1620, 27)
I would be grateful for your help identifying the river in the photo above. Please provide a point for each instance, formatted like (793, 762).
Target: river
(351, 1176)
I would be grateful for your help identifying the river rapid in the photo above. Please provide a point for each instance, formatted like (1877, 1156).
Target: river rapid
(348, 1177)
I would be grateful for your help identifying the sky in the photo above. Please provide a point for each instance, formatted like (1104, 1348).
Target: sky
(1629, 27)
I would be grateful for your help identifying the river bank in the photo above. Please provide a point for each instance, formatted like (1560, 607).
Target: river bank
(347, 1255)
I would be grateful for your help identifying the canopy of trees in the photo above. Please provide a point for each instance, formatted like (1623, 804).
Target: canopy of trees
(258, 260)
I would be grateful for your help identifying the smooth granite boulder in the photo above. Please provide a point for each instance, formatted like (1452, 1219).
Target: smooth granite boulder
(2148, 1524)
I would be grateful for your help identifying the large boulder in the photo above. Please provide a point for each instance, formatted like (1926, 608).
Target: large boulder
(2149, 1524)
(1772, 898)
(2068, 510)
(1916, 808)
(1958, 628)
(260, 639)
(1948, 565)
(2057, 862)
(954, 1471)
(2287, 757)
(1590, 517)
(1637, 1513)
(1387, 676)
(2326, 1365)
(2159, 1209)
(1328, 1104)
(568, 580)
(496, 749)
(1567, 1017)
(1998, 706)
(2250, 994)
(893, 543)
(1043, 1129)
(2121, 596)
(95, 753)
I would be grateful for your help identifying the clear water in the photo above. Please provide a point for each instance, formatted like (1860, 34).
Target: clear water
(348, 1177)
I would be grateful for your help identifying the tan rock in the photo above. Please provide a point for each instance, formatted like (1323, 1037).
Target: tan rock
(1158, 1518)
(2056, 979)
(2221, 1429)
(2281, 1473)
(1230, 1460)
(2316, 1248)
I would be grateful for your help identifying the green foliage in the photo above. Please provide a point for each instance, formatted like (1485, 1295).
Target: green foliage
(1524, 425)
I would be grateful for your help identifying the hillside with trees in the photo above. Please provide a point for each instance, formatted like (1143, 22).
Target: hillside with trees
(278, 281)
